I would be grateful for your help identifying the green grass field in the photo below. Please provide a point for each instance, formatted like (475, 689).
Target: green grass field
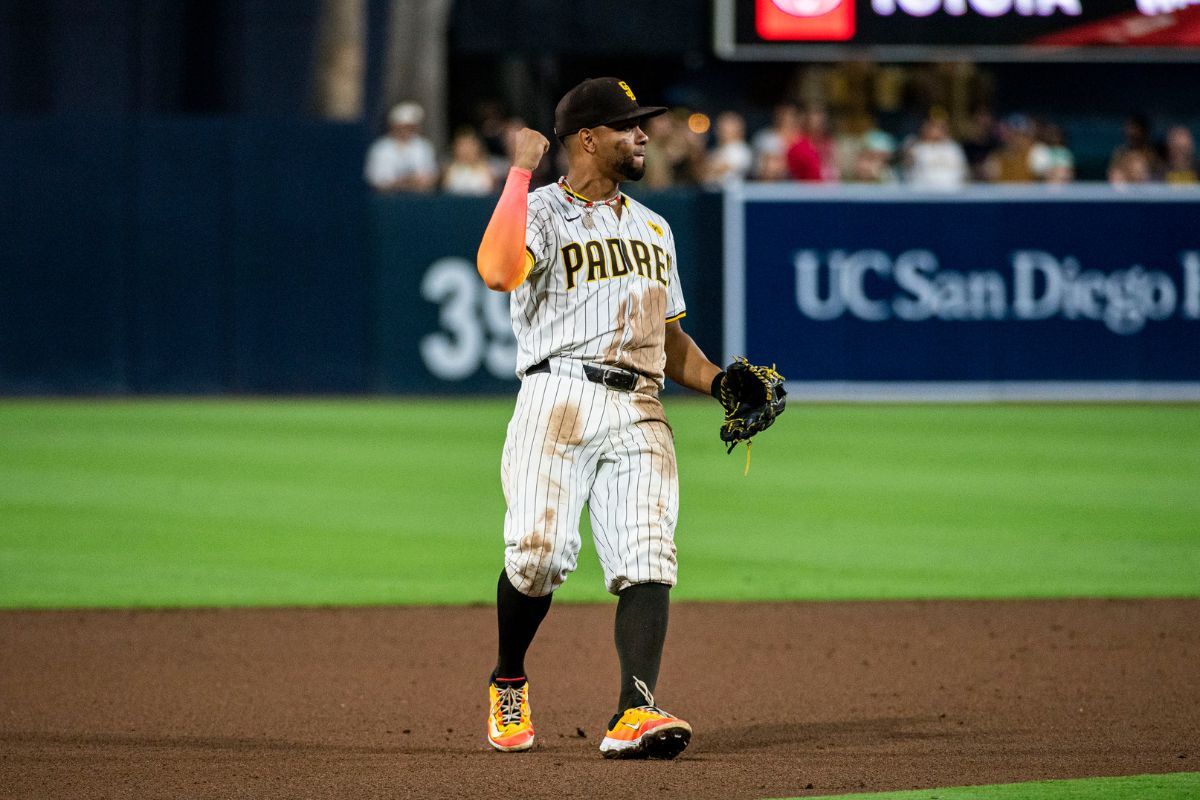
(1177, 786)
(312, 502)
(285, 502)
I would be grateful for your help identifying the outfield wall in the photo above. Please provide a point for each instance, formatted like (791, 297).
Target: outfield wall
(858, 293)
(235, 255)
(182, 255)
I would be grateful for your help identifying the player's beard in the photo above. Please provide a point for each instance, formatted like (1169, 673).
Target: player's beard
(629, 169)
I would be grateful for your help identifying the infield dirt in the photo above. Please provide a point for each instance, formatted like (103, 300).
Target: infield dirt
(786, 700)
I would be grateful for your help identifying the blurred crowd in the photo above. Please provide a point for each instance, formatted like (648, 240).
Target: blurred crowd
(800, 143)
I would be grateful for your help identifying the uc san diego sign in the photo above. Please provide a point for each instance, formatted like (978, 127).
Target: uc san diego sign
(1035, 285)
(1022, 292)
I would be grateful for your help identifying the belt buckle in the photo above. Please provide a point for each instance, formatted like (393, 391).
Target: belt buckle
(611, 377)
(619, 379)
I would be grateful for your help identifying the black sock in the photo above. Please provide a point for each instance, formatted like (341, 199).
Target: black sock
(518, 617)
(641, 630)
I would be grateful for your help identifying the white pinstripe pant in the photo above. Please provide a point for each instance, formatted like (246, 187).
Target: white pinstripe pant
(571, 442)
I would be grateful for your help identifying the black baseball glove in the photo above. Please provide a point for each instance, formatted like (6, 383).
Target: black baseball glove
(753, 397)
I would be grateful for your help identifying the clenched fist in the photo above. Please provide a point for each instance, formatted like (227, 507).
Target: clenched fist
(528, 148)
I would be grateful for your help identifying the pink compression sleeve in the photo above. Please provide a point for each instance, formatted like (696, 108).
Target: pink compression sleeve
(502, 261)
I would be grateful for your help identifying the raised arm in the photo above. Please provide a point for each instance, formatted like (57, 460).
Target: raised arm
(502, 260)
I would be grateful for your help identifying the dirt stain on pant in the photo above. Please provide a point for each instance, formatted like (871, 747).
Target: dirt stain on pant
(540, 540)
(539, 567)
(564, 429)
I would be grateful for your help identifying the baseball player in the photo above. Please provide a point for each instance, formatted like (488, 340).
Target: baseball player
(595, 306)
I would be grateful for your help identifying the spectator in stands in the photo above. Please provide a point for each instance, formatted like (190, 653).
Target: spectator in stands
(812, 155)
(1180, 162)
(402, 160)
(1129, 167)
(849, 140)
(816, 129)
(1050, 159)
(660, 173)
(674, 154)
(1014, 161)
(980, 141)
(803, 161)
(731, 159)
(771, 144)
(1137, 140)
(692, 147)
(935, 161)
(872, 164)
(468, 172)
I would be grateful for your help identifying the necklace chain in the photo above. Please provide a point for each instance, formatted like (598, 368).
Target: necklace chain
(575, 197)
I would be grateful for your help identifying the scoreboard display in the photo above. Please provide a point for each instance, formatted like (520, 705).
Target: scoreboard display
(982, 30)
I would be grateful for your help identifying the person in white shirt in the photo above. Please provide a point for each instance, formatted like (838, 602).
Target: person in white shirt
(730, 161)
(1050, 159)
(771, 144)
(468, 172)
(872, 163)
(402, 160)
(935, 161)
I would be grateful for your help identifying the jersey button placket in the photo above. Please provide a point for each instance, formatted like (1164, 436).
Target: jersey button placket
(623, 217)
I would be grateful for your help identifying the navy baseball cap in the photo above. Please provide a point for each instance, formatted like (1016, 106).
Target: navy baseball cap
(599, 101)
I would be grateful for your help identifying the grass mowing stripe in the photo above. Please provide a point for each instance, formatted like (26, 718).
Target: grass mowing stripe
(1176, 786)
(282, 502)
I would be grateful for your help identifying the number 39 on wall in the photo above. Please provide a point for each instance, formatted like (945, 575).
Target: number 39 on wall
(475, 329)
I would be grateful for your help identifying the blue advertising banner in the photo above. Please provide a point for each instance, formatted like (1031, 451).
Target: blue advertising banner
(1033, 292)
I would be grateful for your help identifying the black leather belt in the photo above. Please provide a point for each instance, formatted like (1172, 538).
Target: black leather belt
(612, 377)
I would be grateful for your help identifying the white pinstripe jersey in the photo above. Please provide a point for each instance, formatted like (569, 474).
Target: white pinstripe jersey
(602, 294)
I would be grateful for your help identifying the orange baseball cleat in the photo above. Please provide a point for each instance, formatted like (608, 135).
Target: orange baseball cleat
(510, 724)
(646, 732)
